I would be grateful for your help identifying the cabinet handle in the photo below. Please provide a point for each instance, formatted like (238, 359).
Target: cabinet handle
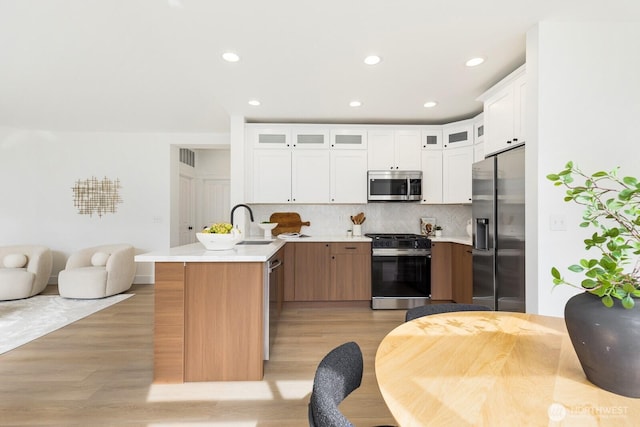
(350, 247)
(508, 142)
(515, 139)
(469, 252)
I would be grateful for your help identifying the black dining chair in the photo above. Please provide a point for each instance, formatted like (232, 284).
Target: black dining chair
(338, 374)
(426, 310)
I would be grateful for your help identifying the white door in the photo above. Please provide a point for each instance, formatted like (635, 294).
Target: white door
(216, 201)
(186, 233)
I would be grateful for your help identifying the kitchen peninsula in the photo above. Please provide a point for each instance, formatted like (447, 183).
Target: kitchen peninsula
(215, 311)
(212, 311)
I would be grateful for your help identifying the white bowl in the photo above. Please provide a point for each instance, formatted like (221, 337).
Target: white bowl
(220, 242)
(267, 227)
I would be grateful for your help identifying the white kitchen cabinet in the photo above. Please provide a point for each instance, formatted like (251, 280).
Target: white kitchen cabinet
(271, 176)
(431, 176)
(349, 138)
(504, 109)
(310, 137)
(272, 136)
(458, 134)
(431, 139)
(287, 176)
(391, 149)
(478, 129)
(478, 137)
(310, 176)
(478, 152)
(348, 176)
(456, 174)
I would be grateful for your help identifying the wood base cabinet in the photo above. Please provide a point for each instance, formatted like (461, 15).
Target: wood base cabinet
(451, 272)
(323, 271)
(441, 271)
(462, 273)
(209, 321)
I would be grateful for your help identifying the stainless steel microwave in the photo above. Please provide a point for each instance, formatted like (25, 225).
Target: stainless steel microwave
(394, 186)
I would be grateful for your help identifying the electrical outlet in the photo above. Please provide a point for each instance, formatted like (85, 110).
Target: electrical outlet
(557, 222)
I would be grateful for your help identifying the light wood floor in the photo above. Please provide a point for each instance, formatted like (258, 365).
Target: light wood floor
(98, 371)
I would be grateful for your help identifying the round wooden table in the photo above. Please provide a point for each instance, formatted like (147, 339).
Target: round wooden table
(492, 369)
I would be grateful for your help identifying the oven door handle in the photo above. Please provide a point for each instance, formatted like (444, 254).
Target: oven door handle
(402, 252)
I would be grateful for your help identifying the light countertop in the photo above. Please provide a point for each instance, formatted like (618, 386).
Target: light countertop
(359, 239)
(463, 240)
(196, 252)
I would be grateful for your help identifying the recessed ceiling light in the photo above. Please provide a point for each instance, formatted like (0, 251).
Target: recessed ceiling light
(474, 62)
(355, 104)
(230, 57)
(430, 104)
(177, 4)
(372, 60)
(254, 102)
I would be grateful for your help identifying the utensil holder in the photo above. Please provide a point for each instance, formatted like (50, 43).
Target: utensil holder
(357, 229)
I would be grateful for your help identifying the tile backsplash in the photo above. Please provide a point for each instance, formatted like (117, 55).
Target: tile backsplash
(334, 220)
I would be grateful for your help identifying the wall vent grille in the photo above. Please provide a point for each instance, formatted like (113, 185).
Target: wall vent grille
(188, 157)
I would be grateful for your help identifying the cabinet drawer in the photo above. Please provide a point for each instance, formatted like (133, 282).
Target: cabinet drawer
(351, 248)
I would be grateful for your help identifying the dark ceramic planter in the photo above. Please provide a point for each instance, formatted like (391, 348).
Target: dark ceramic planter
(607, 342)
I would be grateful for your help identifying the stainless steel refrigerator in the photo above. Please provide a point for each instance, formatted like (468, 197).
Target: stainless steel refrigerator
(498, 231)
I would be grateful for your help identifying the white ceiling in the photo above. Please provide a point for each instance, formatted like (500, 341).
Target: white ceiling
(155, 65)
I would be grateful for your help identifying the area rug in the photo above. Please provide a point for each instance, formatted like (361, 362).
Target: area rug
(24, 320)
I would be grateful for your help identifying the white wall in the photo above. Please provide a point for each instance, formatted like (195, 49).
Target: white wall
(38, 170)
(583, 83)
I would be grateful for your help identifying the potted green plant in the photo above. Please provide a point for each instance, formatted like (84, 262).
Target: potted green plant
(603, 322)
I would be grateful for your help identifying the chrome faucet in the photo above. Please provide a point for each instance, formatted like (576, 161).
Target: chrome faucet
(244, 206)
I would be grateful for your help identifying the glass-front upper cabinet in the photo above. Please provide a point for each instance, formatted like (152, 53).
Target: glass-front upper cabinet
(432, 139)
(349, 138)
(310, 137)
(273, 136)
(458, 134)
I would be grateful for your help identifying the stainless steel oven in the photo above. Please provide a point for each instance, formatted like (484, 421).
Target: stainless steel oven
(400, 270)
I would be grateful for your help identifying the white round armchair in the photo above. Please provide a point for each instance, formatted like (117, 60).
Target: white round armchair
(98, 272)
(24, 271)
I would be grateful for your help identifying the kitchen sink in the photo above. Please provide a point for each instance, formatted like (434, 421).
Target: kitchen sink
(255, 242)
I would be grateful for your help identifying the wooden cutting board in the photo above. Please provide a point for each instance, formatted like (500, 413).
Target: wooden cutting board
(288, 222)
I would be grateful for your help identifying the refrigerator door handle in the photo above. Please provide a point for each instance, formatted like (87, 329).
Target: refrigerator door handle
(481, 237)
